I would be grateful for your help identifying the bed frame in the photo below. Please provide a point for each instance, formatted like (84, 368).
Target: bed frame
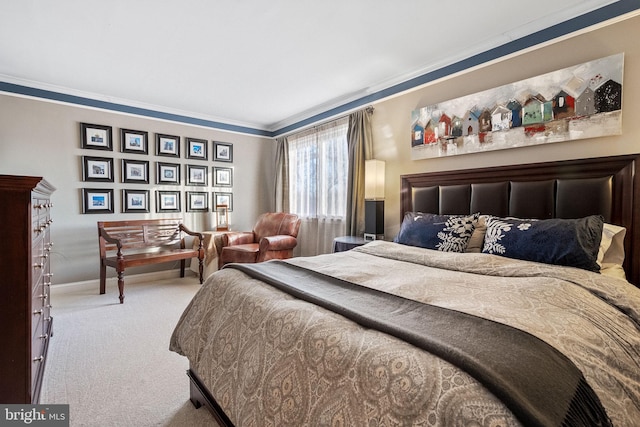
(609, 186)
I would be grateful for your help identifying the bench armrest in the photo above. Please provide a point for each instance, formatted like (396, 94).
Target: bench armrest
(191, 233)
(109, 239)
(199, 235)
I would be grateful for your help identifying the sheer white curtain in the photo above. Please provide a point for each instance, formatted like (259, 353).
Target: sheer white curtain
(318, 169)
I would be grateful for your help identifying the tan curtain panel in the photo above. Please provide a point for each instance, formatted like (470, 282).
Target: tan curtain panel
(360, 143)
(282, 175)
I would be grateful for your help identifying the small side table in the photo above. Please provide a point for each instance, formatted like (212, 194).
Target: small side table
(212, 246)
(344, 243)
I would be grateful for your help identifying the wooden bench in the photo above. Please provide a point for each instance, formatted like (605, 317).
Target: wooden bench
(140, 242)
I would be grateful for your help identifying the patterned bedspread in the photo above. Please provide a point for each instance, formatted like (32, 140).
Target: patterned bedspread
(272, 360)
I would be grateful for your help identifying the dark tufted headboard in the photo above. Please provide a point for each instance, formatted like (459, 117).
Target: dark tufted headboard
(608, 186)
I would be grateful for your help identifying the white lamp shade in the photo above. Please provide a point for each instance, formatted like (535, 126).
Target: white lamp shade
(374, 179)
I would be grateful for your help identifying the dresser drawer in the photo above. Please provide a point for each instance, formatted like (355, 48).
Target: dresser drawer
(26, 217)
(37, 314)
(38, 354)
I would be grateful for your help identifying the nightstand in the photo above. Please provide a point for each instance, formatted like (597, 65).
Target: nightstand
(344, 243)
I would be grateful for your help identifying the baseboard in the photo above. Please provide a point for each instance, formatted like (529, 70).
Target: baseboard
(131, 279)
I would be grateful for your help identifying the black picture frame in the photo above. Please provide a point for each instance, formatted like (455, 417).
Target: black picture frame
(197, 201)
(197, 149)
(167, 145)
(136, 171)
(96, 137)
(134, 141)
(197, 175)
(97, 200)
(223, 198)
(167, 173)
(135, 201)
(222, 177)
(97, 169)
(167, 201)
(222, 152)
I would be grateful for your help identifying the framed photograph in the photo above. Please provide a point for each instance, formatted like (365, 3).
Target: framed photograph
(167, 201)
(167, 145)
(97, 169)
(134, 201)
(196, 175)
(134, 141)
(167, 173)
(97, 200)
(197, 201)
(135, 171)
(222, 218)
(223, 198)
(96, 137)
(222, 177)
(222, 152)
(197, 149)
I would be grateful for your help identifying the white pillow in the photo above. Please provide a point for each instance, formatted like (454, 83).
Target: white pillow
(611, 252)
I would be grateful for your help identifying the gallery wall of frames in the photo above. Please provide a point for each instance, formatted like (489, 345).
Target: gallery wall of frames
(175, 187)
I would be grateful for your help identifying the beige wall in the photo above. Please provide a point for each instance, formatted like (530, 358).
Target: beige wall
(392, 117)
(43, 139)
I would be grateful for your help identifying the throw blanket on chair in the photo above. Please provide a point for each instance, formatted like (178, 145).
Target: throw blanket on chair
(540, 385)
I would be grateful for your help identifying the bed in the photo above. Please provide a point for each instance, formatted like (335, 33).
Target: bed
(479, 327)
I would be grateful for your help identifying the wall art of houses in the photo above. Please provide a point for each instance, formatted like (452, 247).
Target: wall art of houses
(583, 101)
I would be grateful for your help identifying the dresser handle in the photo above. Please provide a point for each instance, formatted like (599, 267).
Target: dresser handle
(38, 359)
(48, 274)
(38, 265)
(37, 311)
(44, 337)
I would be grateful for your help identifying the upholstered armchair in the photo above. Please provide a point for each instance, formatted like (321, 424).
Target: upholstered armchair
(273, 237)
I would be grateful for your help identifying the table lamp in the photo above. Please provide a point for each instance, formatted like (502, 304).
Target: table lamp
(374, 200)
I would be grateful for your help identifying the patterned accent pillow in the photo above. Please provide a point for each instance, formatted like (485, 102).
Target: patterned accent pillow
(568, 242)
(447, 233)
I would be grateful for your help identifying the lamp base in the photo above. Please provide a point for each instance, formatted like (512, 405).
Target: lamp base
(374, 219)
(371, 237)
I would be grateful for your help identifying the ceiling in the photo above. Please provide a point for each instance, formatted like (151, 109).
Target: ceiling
(260, 64)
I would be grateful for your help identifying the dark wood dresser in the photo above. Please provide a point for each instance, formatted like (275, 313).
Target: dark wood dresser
(25, 278)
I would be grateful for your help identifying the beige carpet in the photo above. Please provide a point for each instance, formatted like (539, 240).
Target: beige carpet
(111, 363)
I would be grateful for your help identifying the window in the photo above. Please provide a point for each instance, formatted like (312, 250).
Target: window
(318, 169)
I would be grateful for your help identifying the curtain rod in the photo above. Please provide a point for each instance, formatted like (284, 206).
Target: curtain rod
(369, 109)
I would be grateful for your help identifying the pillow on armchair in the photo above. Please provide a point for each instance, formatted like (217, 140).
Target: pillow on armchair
(273, 237)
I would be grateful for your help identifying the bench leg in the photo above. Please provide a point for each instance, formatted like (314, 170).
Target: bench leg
(121, 286)
(182, 266)
(103, 277)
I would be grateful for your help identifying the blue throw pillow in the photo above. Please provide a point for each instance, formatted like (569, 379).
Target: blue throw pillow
(568, 242)
(447, 233)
